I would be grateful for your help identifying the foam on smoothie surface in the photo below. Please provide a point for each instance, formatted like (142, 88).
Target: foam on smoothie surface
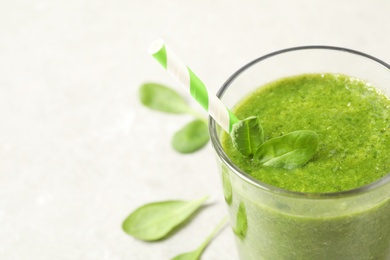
(351, 117)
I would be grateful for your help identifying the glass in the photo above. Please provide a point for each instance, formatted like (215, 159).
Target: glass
(273, 223)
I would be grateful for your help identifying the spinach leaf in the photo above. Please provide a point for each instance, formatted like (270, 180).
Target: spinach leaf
(241, 227)
(247, 135)
(227, 186)
(196, 254)
(191, 137)
(162, 98)
(155, 221)
(288, 151)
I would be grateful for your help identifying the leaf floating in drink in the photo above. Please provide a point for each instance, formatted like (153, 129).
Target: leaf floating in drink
(227, 186)
(241, 227)
(196, 254)
(289, 151)
(191, 137)
(155, 221)
(247, 135)
(162, 98)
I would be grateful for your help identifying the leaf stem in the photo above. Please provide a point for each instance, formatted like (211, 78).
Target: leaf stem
(196, 114)
(221, 224)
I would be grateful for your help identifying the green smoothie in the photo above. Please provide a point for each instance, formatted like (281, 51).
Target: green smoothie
(352, 119)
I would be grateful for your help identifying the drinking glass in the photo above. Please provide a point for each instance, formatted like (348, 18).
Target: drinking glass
(273, 223)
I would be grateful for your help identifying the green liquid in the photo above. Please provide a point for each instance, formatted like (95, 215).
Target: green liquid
(351, 118)
(353, 123)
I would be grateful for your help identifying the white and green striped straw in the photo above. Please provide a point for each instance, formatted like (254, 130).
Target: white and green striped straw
(184, 75)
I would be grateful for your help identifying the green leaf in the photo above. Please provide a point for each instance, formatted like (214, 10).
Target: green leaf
(196, 254)
(162, 98)
(241, 227)
(191, 137)
(227, 186)
(155, 221)
(247, 135)
(288, 151)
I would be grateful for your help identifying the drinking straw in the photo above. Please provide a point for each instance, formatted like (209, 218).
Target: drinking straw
(187, 79)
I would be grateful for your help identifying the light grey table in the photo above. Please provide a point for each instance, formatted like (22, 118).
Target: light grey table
(78, 152)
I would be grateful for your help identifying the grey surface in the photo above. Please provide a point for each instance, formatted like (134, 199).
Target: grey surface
(77, 150)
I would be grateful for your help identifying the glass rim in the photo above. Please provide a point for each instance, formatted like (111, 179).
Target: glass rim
(268, 187)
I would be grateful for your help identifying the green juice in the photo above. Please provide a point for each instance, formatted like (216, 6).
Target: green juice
(352, 119)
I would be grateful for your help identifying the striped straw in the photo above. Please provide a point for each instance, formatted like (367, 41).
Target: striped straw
(184, 75)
